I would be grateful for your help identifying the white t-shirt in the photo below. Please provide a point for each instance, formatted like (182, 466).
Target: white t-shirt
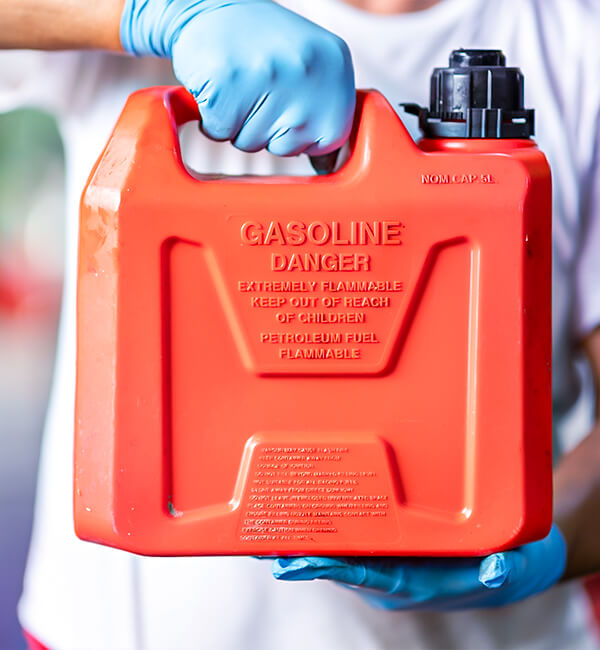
(82, 596)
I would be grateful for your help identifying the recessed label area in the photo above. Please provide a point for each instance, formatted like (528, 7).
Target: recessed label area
(322, 303)
(302, 492)
(322, 292)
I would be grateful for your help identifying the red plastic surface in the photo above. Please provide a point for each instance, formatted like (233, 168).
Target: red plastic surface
(356, 363)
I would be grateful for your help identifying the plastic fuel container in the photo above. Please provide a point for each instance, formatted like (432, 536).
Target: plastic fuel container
(352, 363)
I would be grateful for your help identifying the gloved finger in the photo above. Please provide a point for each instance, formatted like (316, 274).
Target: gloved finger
(329, 134)
(288, 128)
(261, 130)
(332, 121)
(421, 580)
(330, 568)
(277, 114)
(290, 141)
(227, 95)
(262, 123)
(530, 569)
(224, 107)
(495, 569)
(332, 118)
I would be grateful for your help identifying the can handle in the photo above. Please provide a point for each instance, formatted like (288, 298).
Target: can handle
(152, 116)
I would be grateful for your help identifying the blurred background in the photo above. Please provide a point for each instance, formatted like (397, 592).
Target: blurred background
(31, 265)
(31, 254)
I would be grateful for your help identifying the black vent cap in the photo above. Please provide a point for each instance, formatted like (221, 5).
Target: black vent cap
(477, 96)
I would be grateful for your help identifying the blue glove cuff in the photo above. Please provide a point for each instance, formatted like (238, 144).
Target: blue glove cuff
(150, 27)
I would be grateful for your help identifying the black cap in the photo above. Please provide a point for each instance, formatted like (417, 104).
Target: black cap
(477, 96)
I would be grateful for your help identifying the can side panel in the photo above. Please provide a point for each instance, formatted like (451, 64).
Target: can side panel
(450, 373)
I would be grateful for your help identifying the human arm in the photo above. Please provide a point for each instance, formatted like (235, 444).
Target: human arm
(577, 487)
(60, 24)
(263, 77)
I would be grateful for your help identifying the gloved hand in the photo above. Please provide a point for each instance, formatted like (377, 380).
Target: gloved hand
(440, 584)
(262, 75)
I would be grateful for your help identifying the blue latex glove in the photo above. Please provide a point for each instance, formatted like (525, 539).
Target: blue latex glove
(262, 75)
(440, 584)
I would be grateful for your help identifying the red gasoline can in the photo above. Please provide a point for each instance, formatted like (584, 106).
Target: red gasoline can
(353, 363)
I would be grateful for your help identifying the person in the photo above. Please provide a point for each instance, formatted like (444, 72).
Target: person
(265, 77)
